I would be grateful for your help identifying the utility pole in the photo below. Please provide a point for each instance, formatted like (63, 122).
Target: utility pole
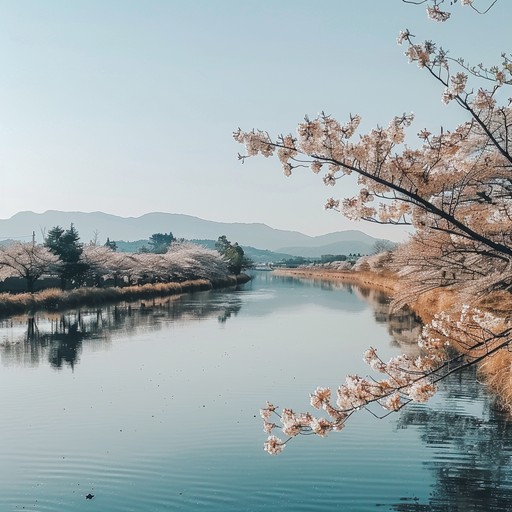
(33, 238)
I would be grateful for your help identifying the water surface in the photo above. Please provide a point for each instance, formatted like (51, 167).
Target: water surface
(154, 407)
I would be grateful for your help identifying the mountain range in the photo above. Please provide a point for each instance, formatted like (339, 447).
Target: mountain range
(98, 226)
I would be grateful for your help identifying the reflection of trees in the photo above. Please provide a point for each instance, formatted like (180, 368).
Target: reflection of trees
(472, 444)
(292, 291)
(228, 312)
(471, 439)
(65, 342)
(58, 339)
(403, 325)
(60, 344)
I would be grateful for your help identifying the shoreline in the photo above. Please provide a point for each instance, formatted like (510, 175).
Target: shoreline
(385, 282)
(54, 299)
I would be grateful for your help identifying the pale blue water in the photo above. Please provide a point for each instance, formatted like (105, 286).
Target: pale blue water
(157, 409)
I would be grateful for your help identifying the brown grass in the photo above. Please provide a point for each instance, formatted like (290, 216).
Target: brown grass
(385, 281)
(497, 373)
(54, 299)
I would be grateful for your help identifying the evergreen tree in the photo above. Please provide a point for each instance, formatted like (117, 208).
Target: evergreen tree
(160, 242)
(233, 254)
(66, 246)
(111, 244)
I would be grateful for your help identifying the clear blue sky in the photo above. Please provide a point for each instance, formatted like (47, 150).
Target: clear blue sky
(128, 106)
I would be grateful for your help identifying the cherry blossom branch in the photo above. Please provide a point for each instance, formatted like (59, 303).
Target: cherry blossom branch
(407, 381)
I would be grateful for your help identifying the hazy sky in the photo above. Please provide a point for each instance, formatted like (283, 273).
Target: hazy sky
(129, 106)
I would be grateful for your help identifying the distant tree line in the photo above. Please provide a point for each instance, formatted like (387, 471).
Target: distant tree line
(166, 259)
(300, 261)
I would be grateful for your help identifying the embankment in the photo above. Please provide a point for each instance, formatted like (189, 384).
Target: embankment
(385, 281)
(56, 300)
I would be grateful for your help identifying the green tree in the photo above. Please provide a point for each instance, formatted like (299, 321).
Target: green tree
(66, 246)
(233, 254)
(111, 244)
(159, 243)
(329, 258)
(27, 261)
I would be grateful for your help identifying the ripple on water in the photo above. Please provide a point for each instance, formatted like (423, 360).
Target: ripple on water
(118, 425)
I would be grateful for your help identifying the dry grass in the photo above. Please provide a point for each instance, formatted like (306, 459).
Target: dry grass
(385, 281)
(54, 299)
(431, 302)
(496, 371)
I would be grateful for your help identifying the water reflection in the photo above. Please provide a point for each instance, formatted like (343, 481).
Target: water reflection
(58, 338)
(472, 448)
(403, 326)
(470, 439)
(29, 341)
(126, 406)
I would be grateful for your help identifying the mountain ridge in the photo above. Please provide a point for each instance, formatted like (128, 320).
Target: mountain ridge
(100, 225)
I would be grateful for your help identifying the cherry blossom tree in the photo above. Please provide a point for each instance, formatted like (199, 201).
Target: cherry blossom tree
(190, 260)
(27, 261)
(182, 261)
(103, 263)
(454, 187)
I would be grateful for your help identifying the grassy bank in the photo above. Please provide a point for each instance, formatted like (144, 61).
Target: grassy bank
(495, 370)
(54, 299)
(386, 281)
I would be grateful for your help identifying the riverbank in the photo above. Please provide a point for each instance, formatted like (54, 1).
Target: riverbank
(385, 281)
(54, 299)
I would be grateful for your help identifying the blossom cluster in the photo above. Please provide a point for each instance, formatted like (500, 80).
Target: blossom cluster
(435, 13)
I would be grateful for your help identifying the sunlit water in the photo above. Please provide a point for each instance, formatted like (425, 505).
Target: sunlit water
(156, 409)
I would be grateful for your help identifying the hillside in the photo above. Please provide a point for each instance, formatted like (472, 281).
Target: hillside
(99, 226)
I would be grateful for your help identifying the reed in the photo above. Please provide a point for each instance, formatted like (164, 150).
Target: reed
(53, 299)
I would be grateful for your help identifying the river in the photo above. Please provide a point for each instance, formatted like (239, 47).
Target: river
(155, 407)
